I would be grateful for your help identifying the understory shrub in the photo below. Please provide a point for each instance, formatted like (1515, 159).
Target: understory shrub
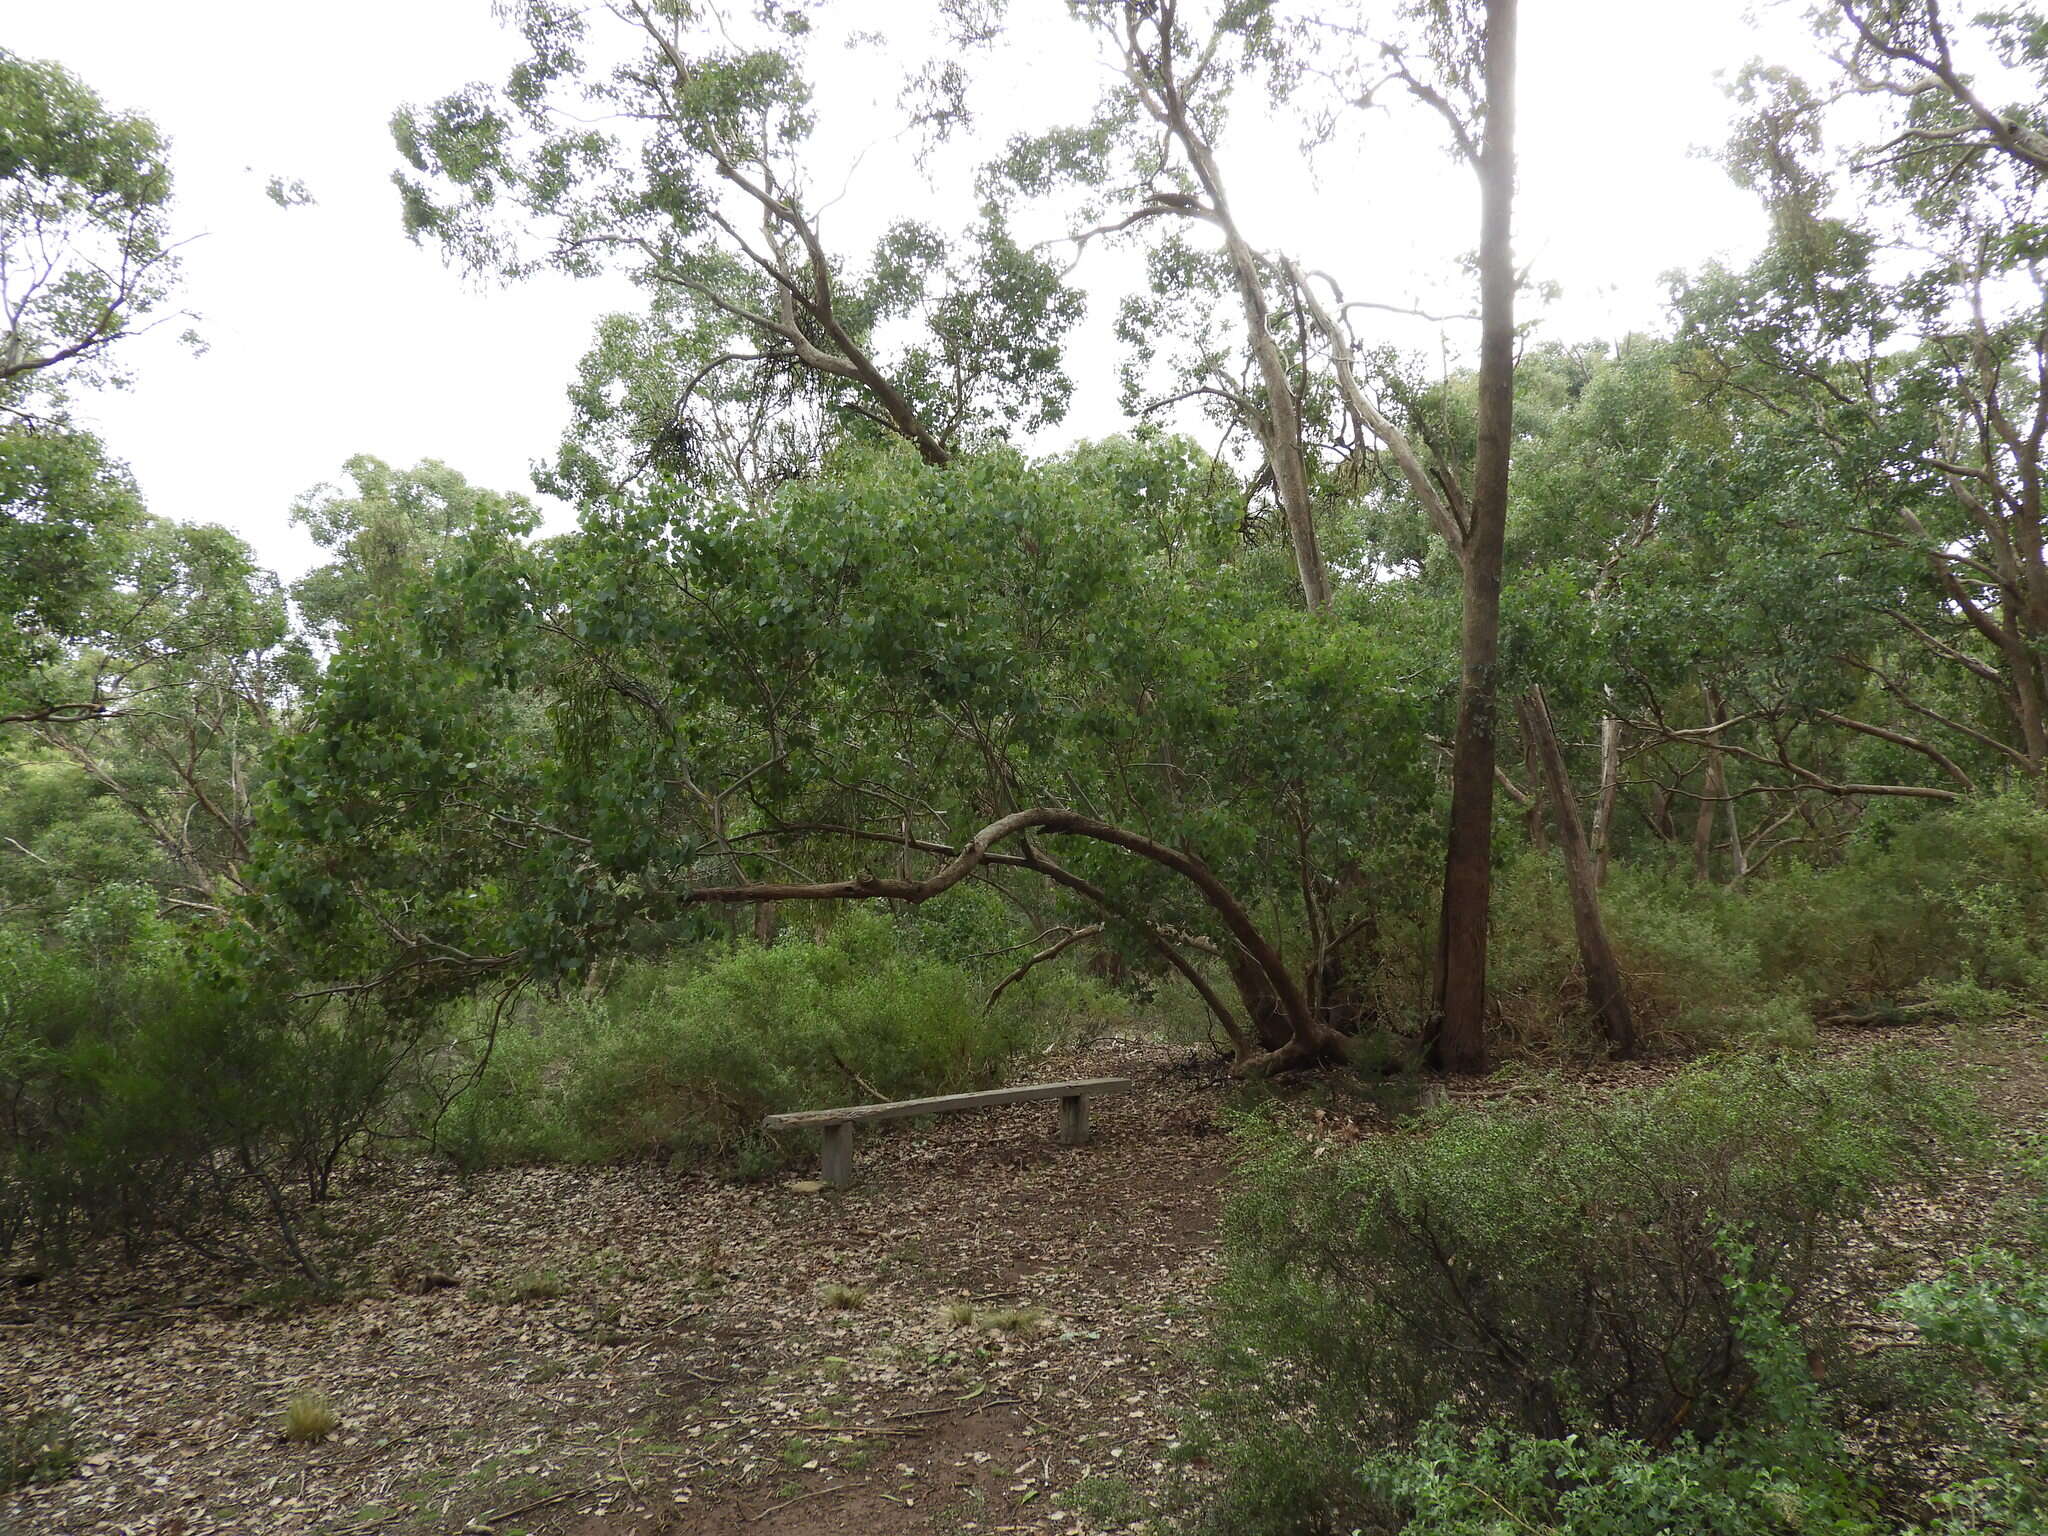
(1929, 912)
(39, 1447)
(686, 1057)
(1985, 1317)
(1690, 980)
(143, 1094)
(1919, 902)
(1557, 1268)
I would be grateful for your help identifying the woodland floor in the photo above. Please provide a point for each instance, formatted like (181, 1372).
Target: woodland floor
(628, 1351)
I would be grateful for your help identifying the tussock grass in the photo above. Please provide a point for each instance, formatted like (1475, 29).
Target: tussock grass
(843, 1298)
(310, 1418)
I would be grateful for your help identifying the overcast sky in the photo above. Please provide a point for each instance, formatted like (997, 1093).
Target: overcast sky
(329, 334)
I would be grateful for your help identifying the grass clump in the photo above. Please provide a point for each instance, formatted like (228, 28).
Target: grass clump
(1015, 1321)
(843, 1298)
(959, 1314)
(310, 1418)
(1652, 1269)
(535, 1285)
(1109, 1501)
(39, 1447)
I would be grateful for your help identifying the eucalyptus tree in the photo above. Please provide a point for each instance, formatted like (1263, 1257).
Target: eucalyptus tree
(1149, 156)
(1153, 143)
(86, 259)
(384, 529)
(734, 431)
(1691, 573)
(195, 685)
(1472, 47)
(68, 518)
(86, 253)
(860, 695)
(1897, 328)
(683, 144)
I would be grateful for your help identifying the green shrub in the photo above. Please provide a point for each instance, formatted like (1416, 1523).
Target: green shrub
(1783, 1472)
(37, 1448)
(1488, 1482)
(152, 1093)
(1985, 1317)
(1691, 981)
(1951, 896)
(685, 1058)
(1568, 1267)
(1928, 910)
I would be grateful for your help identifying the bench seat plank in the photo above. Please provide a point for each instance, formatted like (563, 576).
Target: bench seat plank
(946, 1103)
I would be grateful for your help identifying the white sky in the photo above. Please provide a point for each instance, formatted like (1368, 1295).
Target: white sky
(329, 334)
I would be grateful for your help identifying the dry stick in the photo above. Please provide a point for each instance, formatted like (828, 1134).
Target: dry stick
(527, 1509)
(619, 1453)
(859, 1429)
(923, 1413)
(814, 1493)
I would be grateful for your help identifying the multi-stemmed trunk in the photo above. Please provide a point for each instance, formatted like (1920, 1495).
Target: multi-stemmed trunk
(1606, 997)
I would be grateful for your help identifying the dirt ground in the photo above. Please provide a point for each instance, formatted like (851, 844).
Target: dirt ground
(627, 1350)
(987, 1333)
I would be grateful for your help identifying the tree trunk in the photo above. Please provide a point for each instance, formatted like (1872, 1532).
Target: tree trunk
(1270, 1025)
(1534, 815)
(1703, 824)
(1282, 427)
(1605, 994)
(1459, 1043)
(1738, 861)
(1712, 792)
(1610, 790)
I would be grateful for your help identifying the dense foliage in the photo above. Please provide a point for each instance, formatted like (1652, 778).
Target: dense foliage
(1340, 709)
(1589, 1311)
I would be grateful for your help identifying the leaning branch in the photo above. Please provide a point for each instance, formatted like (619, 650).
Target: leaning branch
(1052, 951)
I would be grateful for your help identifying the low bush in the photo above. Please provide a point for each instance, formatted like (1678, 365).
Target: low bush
(143, 1093)
(684, 1058)
(1691, 981)
(1562, 1268)
(1985, 1319)
(40, 1447)
(1928, 912)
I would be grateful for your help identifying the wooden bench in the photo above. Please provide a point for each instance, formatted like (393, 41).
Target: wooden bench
(838, 1124)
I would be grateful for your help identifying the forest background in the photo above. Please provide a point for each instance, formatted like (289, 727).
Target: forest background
(1397, 685)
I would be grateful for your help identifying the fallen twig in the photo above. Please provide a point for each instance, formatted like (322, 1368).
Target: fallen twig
(527, 1509)
(814, 1493)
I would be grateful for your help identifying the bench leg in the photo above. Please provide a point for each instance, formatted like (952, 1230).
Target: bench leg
(838, 1159)
(1074, 1127)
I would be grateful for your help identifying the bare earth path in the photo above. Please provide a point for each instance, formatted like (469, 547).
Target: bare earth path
(633, 1352)
(648, 1352)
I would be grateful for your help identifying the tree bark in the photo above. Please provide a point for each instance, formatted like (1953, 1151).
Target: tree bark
(1703, 824)
(1605, 994)
(1459, 1038)
(1534, 814)
(1713, 790)
(1610, 790)
(1738, 860)
(1152, 74)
